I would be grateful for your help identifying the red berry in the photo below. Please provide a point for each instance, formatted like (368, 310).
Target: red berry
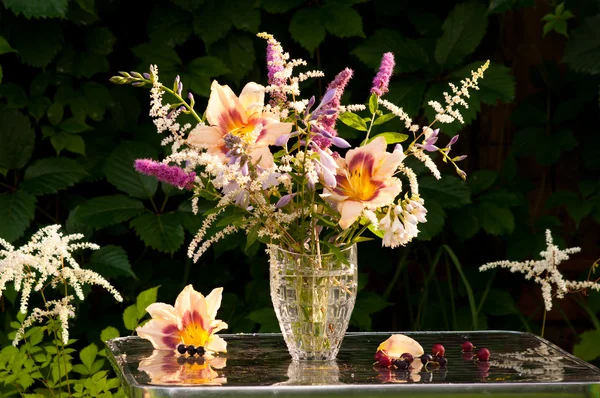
(408, 357)
(438, 350)
(467, 346)
(378, 355)
(382, 359)
(483, 354)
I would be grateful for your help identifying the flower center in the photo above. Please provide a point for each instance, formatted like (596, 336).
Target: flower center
(194, 334)
(358, 185)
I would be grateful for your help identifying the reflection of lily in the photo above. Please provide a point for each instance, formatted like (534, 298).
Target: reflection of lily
(167, 368)
(191, 322)
(386, 375)
(242, 117)
(365, 180)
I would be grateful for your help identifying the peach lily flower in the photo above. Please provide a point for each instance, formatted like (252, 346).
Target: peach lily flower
(242, 117)
(365, 180)
(191, 322)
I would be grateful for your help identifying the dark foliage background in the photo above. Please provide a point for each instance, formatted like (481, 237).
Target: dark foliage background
(68, 139)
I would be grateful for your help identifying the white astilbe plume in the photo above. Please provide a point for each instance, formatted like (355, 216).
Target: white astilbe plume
(61, 309)
(546, 273)
(47, 260)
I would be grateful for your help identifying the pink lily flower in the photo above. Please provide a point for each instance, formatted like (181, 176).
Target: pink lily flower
(191, 322)
(242, 117)
(365, 180)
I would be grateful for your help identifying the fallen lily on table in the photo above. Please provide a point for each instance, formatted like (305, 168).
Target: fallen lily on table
(279, 168)
(190, 322)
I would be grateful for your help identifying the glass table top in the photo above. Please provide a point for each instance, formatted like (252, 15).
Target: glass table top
(259, 365)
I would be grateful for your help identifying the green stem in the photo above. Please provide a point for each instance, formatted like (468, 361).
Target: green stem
(189, 107)
(164, 203)
(369, 130)
(425, 294)
(486, 292)
(474, 314)
(399, 268)
(543, 323)
(451, 290)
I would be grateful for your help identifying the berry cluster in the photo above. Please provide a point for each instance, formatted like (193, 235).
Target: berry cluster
(190, 350)
(402, 363)
(436, 358)
(482, 355)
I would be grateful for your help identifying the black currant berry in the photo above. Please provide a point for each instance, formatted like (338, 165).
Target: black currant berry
(191, 350)
(182, 349)
(400, 364)
(426, 358)
(200, 351)
(442, 361)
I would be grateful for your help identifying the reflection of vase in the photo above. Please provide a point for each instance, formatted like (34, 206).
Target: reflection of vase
(313, 296)
(313, 373)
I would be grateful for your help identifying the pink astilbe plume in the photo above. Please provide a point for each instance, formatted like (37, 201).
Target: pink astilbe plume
(327, 122)
(275, 68)
(172, 175)
(382, 79)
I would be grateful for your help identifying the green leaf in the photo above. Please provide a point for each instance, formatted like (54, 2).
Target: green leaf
(55, 113)
(373, 105)
(14, 95)
(109, 333)
(497, 84)
(353, 120)
(463, 30)
(410, 55)
(464, 222)
(499, 6)
(169, 25)
(155, 53)
(238, 53)
(37, 107)
(88, 355)
(495, 220)
(279, 6)
(130, 317)
(583, 48)
(391, 138)
(481, 180)
(246, 17)
(120, 171)
(267, 320)
(436, 217)
(408, 94)
(74, 125)
(449, 192)
(38, 8)
(38, 42)
(1, 75)
(200, 72)
(5, 47)
(213, 21)
(50, 175)
(306, 28)
(111, 261)
(103, 211)
(73, 143)
(342, 21)
(588, 348)
(144, 299)
(17, 138)
(383, 119)
(17, 209)
(99, 40)
(162, 232)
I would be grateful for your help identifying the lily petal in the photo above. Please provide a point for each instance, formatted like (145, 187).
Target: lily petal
(224, 108)
(162, 334)
(252, 98)
(272, 131)
(265, 156)
(350, 211)
(205, 136)
(213, 302)
(191, 307)
(217, 344)
(163, 311)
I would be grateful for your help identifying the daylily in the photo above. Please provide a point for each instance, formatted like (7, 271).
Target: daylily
(399, 344)
(365, 180)
(191, 322)
(242, 117)
(165, 368)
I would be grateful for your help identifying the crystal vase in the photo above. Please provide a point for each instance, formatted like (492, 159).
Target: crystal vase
(313, 297)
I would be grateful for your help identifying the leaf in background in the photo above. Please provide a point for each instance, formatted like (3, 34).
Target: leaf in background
(188, 5)
(213, 20)
(588, 348)
(353, 120)
(17, 138)
(37, 42)
(200, 73)
(17, 209)
(495, 220)
(88, 354)
(435, 93)
(464, 222)
(5, 47)
(463, 30)
(144, 299)
(74, 125)
(72, 143)
(267, 320)
(111, 261)
(436, 217)
(99, 40)
(38, 8)
(279, 6)
(449, 192)
(481, 180)
(237, 51)
(499, 6)
(1, 75)
(14, 95)
(391, 138)
(102, 211)
(583, 48)
(37, 107)
(120, 171)
(407, 93)
(246, 17)
(50, 175)
(162, 232)
(497, 84)
(410, 55)
(160, 54)
(169, 25)
(130, 317)
(108, 333)
(307, 28)
(55, 113)
(342, 21)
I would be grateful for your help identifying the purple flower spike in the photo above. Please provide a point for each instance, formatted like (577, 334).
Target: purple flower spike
(340, 142)
(172, 175)
(282, 139)
(430, 148)
(453, 140)
(147, 75)
(284, 201)
(459, 158)
(382, 79)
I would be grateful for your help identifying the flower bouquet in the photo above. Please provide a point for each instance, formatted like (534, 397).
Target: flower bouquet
(280, 172)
